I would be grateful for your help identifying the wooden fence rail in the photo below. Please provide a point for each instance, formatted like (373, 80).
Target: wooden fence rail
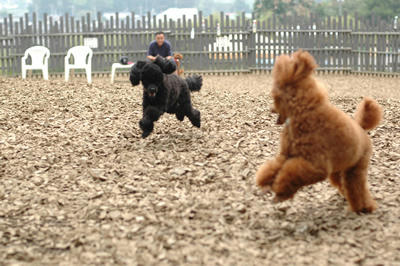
(209, 44)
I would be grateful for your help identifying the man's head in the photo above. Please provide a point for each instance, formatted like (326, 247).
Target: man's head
(160, 38)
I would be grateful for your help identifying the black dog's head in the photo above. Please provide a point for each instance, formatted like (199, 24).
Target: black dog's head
(164, 65)
(152, 78)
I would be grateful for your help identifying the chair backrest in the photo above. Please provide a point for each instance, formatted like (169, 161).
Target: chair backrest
(82, 55)
(39, 55)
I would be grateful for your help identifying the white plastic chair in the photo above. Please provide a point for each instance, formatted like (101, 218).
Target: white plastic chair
(82, 60)
(40, 60)
(116, 66)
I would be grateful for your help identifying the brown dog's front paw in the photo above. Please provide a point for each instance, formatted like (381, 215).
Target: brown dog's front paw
(266, 189)
(265, 177)
(282, 191)
(282, 197)
(368, 208)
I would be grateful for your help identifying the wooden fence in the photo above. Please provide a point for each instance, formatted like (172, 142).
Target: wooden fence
(208, 44)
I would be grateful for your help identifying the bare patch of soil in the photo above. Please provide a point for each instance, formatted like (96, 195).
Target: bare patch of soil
(79, 186)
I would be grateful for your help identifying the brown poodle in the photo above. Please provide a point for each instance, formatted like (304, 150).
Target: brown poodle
(318, 140)
(178, 58)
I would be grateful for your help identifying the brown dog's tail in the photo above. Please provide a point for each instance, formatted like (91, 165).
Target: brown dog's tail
(368, 114)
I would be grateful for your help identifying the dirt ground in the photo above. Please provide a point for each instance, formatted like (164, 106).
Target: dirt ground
(79, 186)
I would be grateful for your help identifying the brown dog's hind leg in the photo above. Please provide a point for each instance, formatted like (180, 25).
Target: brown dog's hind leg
(336, 180)
(266, 174)
(356, 188)
(295, 173)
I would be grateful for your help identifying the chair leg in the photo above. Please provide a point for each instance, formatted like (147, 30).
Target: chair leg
(23, 73)
(112, 74)
(46, 73)
(89, 75)
(66, 74)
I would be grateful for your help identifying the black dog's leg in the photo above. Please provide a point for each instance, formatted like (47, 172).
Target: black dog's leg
(150, 115)
(180, 113)
(192, 114)
(147, 126)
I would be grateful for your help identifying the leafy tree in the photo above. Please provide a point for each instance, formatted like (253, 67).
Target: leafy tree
(385, 9)
(282, 8)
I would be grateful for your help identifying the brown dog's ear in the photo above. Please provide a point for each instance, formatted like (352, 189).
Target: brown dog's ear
(304, 64)
(288, 70)
(282, 70)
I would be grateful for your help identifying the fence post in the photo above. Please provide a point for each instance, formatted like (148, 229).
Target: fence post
(343, 43)
(251, 43)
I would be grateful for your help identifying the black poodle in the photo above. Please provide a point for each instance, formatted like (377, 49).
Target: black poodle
(164, 92)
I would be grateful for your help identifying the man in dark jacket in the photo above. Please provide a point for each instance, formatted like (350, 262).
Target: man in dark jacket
(160, 47)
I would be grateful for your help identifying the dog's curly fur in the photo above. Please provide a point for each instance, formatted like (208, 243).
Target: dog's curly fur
(318, 139)
(178, 59)
(164, 92)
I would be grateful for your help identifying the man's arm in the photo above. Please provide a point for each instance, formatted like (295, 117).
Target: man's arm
(150, 52)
